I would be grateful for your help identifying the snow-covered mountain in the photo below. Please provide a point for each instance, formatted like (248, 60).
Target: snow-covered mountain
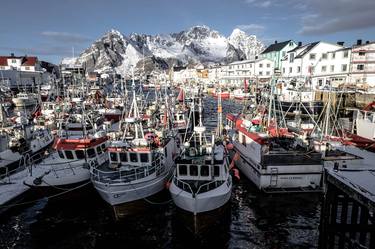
(197, 45)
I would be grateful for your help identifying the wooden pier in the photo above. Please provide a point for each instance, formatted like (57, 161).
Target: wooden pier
(347, 219)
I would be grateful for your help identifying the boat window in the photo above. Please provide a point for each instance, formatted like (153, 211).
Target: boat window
(113, 156)
(244, 140)
(91, 153)
(80, 154)
(69, 154)
(99, 150)
(216, 171)
(205, 170)
(133, 157)
(144, 157)
(193, 170)
(104, 147)
(165, 152)
(124, 157)
(61, 154)
(182, 170)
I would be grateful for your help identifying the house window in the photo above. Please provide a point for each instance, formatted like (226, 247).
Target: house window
(260, 73)
(283, 69)
(333, 55)
(332, 68)
(360, 67)
(324, 56)
(290, 70)
(14, 61)
(324, 68)
(298, 69)
(291, 57)
(251, 65)
(27, 68)
(344, 67)
(346, 54)
(268, 65)
(312, 56)
(361, 53)
(260, 65)
(268, 73)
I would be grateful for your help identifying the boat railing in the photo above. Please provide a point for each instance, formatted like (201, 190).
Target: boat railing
(202, 188)
(126, 176)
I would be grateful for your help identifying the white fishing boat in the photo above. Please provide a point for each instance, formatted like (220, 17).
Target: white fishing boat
(139, 164)
(202, 184)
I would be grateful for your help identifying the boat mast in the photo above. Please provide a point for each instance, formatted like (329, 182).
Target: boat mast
(219, 115)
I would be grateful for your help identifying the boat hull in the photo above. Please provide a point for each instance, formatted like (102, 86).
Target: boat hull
(279, 177)
(204, 202)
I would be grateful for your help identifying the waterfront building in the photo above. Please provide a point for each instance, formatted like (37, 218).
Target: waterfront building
(277, 51)
(235, 73)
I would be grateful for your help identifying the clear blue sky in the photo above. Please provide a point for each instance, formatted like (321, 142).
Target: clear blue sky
(50, 28)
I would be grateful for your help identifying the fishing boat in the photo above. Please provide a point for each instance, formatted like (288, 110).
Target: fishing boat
(69, 164)
(273, 158)
(140, 163)
(25, 99)
(201, 184)
(224, 94)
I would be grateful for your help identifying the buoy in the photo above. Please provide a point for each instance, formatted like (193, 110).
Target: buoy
(167, 185)
(230, 146)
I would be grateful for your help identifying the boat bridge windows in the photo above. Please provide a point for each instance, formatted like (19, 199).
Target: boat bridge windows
(80, 154)
(201, 172)
(130, 157)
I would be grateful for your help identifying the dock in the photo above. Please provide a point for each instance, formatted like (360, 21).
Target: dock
(347, 219)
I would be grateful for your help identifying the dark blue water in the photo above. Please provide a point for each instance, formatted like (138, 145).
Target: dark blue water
(83, 220)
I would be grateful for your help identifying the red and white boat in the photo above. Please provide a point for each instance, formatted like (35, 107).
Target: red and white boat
(70, 162)
(225, 94)
(273, 159)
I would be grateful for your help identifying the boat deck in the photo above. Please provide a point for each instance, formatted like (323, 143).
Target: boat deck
(12, 187)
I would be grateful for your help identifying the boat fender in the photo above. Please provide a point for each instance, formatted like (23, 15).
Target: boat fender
(167, 184)
(38, 180)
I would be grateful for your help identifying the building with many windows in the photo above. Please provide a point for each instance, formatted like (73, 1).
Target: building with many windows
(235, 73)
(362, 66)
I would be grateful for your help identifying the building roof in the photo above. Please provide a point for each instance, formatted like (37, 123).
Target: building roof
(307, 49)
(26, 60)
(276, 47)
(248, 61)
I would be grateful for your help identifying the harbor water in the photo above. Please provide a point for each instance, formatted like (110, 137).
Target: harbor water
(81, 219)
